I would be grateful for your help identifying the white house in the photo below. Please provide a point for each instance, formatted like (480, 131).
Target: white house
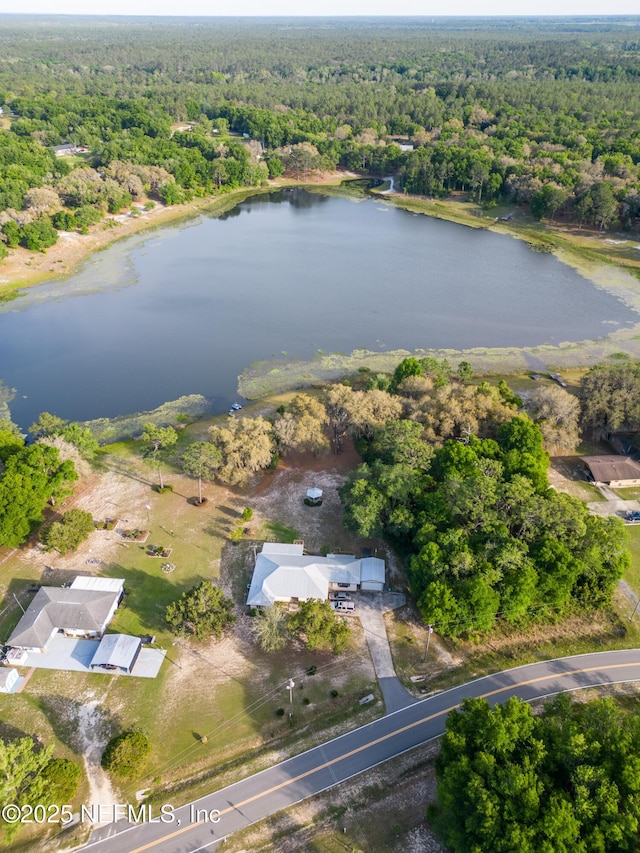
(74, 611)
(283, 573)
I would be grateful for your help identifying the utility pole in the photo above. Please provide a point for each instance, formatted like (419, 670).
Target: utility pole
(290, 687)
(426, 651)
(18, 603)
(634, 610)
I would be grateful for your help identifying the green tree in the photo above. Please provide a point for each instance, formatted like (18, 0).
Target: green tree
(201, 459)
(22, 763)
(126, 755)
(11, 231)
(316, 622)
(157, 442)
(10, 440)
(80, 437)
(203, 611)
(402, 442)
(47, 424)
(465, 371)
(271, 628)
(548, 200)
(65, 535)
(604, 206)
(565, 780)
(39, 235)
(408, 367)
(33, 477)
(61, 779)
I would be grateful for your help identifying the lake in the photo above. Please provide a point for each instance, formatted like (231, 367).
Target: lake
(185, 309)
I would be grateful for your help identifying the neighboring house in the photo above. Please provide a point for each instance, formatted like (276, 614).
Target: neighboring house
(117, 652)
(615, 471)
(75, 611)
(283, 573)
(64, 150)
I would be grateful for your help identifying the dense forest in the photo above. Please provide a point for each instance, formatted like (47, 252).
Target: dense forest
(536, 112)
(457, 481)
(563, 780)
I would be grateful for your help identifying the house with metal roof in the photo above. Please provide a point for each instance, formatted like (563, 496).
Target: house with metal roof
(78, 613)
(283, 573)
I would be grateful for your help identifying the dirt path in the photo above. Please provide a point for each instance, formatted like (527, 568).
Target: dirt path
(93, 736)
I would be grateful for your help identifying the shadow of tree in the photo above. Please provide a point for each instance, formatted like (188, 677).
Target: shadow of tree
(146, 598)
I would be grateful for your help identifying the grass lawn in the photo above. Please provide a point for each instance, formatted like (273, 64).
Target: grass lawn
(631, 494)
(632, 575)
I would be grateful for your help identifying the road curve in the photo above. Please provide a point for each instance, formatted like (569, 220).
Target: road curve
(201, 824)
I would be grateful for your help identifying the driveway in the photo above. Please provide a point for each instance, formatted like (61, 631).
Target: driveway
(370, 608)
(613, 503)
(76, 655)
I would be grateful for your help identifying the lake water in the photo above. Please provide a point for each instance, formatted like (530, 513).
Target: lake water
(185, 309)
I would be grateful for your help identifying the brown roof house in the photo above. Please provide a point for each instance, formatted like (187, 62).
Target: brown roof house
(615, 471)
(77, 613)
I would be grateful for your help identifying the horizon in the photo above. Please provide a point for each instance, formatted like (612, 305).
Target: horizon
(333, 9)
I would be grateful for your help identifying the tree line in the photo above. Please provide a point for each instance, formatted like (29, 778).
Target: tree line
(529, 113)
(566, 780)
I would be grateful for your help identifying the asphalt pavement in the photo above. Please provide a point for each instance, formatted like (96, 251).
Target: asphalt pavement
(201, 824)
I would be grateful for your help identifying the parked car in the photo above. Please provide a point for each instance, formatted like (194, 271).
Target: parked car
(340, 596)
(343, 606)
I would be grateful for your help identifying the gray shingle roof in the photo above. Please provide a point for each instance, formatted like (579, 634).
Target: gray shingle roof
(54, 608)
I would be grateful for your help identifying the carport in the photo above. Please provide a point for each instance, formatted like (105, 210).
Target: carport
(117, 652)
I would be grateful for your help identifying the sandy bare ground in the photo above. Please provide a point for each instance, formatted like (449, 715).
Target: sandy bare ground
(93, 736)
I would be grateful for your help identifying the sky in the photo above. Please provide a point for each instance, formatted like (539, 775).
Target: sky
(324, 7)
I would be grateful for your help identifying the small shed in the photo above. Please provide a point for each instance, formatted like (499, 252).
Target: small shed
(314, 495)
(9, 678)
(117, 652)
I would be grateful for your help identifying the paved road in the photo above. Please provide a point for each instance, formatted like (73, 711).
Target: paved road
(193, 828)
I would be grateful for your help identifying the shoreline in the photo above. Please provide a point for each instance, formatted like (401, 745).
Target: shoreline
(24, 268)
(581, 249)
(616, 275)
